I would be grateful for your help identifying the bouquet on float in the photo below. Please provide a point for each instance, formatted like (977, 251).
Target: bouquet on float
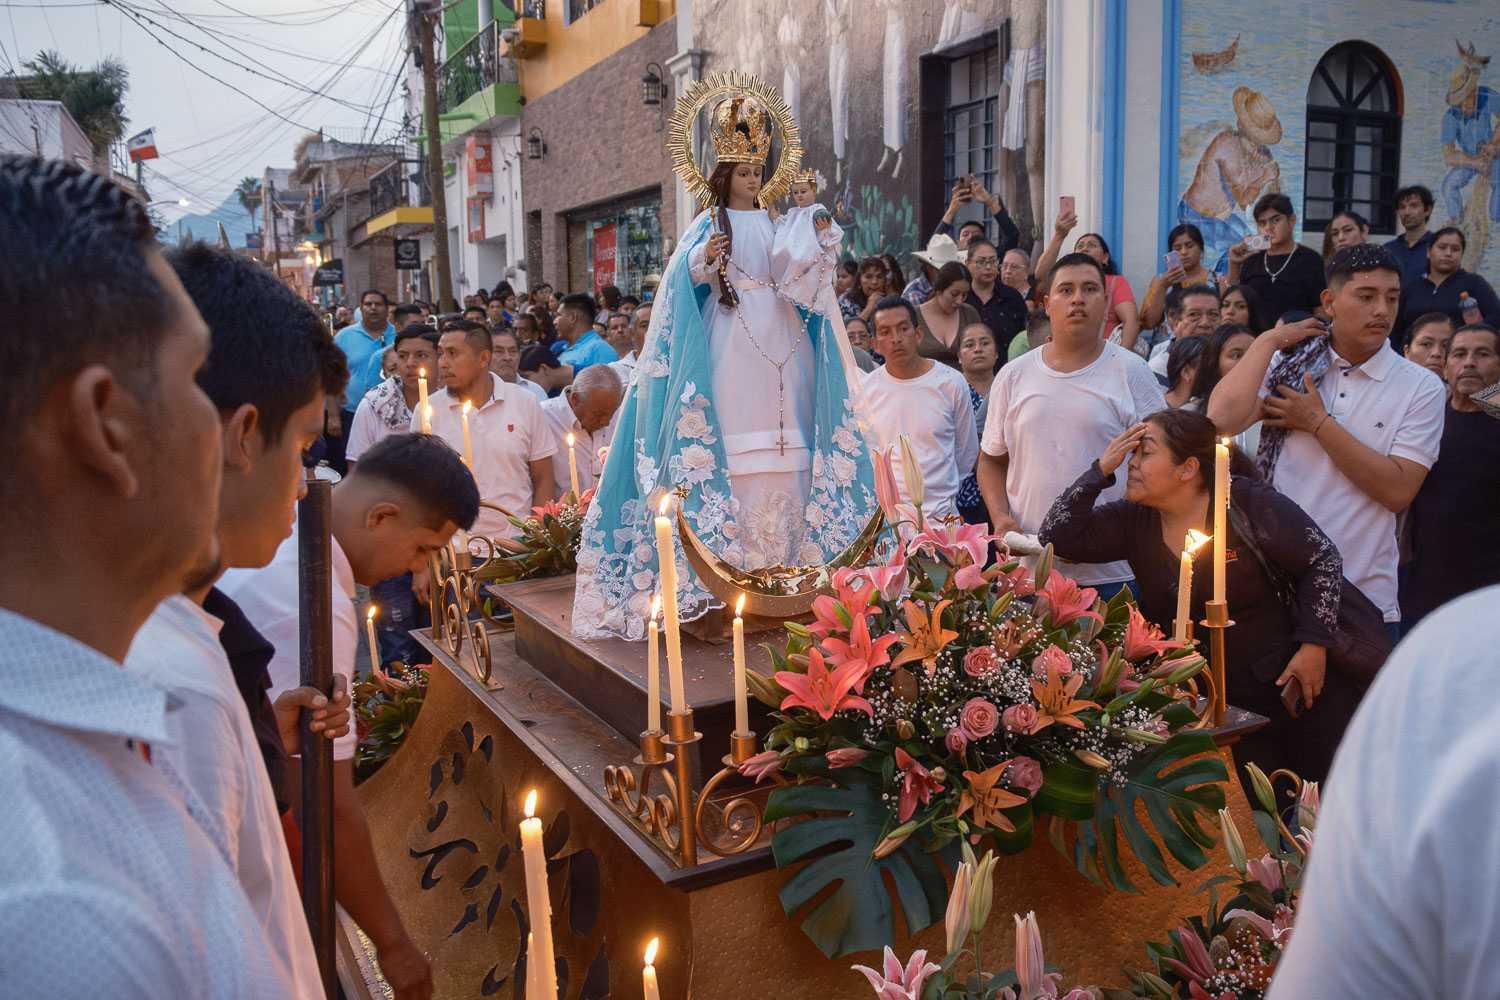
(547, 545)
(937, 702)
(386, 705)
(1231, 952)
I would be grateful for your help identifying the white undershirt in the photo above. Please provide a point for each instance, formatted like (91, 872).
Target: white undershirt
(934, 414)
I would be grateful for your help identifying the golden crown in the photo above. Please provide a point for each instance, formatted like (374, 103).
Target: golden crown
(808, 176)
(741, 132)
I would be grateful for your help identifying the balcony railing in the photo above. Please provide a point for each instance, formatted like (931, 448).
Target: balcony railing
(527, 8)
(403, 182)
(474, 67)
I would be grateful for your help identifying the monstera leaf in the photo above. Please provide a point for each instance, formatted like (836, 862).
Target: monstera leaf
(844, 821)
(1176, 791)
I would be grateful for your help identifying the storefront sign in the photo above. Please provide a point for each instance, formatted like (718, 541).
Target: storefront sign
(604, 256)
(478, 165)
(408, 255)
(329, 273)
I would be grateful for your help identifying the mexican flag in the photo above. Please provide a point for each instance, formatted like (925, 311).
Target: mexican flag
(142, 146)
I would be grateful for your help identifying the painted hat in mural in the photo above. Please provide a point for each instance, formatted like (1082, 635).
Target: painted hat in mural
(940, 250)
(1256, 116)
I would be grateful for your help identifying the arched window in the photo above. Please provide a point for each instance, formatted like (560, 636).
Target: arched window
(1353, 152)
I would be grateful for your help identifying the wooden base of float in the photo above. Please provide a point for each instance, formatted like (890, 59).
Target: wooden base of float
(444, 813)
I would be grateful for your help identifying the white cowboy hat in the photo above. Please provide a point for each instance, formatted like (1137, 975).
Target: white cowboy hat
(940, 250)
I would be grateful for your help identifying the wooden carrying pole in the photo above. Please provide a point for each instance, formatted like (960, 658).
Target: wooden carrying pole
(315, 645)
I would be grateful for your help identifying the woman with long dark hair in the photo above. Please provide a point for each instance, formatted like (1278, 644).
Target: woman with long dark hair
(1240, 305)
(1222, 351)
(946, 315)
(1277, 651)
(1183, 359)
(1186, 241)
(872, 284)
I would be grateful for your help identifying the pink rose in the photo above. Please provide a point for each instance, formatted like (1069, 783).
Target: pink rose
(1019, 718)
(1026, 773)
(1051, 659)
(846, 756)
(980, 660)
(978, 718)
(956, 741)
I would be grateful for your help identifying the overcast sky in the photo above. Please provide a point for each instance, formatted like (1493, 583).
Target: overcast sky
(209, 135)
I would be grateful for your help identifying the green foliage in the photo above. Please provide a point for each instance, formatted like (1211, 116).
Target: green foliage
(384, 714)
(94, 97)
(881, 226)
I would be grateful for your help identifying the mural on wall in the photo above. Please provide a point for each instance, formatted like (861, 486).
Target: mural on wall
(1243, 100)
(850, 70)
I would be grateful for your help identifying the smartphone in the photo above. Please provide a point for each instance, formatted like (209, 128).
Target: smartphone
(1258, 242)
(1172, 260)
(1291, 697)
(1065, 205)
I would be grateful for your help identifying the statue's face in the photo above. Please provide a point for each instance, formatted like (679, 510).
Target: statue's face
(744, 183)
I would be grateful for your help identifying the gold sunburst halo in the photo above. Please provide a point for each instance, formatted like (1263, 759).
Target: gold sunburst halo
(733, 83)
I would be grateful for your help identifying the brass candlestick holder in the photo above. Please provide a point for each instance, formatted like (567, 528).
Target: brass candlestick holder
(456, 605)
(678, 819)
(1216, 619)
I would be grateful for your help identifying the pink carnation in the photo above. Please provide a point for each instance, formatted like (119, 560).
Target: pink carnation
(978, 718)
(980, 660)
(1019, 718)
(1026, 773)
(846, 756)
(1051, 659)
(956, 741)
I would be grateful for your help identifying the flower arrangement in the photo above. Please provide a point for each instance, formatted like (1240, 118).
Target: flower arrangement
(939, 703)
(547, 546)
(1231, 952)
(386, 705)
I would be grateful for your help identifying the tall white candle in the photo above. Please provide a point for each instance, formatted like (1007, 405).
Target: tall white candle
(423, 407)
(648, 974)
(531, 987)
(573, 467)
(468, 446)
(666, 559)
(370, 636)
(741, 700)
(653, 670)
(1221, 514)
(538, 903)
(1190, 545)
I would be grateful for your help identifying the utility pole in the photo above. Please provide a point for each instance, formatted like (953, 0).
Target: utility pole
(424, 19)
(275, 235)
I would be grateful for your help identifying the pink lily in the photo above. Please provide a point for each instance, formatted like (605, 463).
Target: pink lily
(1199, 966)
(953, 540)
(860, 650)
(1143, 639)
(897, 983)
(970, 576)
(1307, 806)
(762, 765)
(1032, 978)
(916, 784)
(1066, 601)
(889, 581)
(846, 757)
(1266, 870)
(886, 491)
(1018, 581)
(821, 690)
(855, 603)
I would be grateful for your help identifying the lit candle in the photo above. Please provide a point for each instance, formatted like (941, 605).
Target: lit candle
(648, 974)
(741, 702)
(538, 904)
(370, 635)
(653, 671)
(1221, 514)
(573, 467)
(1190, 545)
(423, 407)
(667, 564)
(468, 447)
(531, 987)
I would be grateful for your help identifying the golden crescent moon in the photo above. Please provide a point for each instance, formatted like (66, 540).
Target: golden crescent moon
(732, 83)
(727, 583)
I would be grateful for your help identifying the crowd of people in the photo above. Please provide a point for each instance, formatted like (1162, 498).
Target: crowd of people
(1352, 385)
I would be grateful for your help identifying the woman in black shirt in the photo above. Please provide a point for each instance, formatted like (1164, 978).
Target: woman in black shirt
(1168, 490)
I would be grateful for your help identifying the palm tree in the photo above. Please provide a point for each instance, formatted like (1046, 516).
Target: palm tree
(249, 195)
(94, 97)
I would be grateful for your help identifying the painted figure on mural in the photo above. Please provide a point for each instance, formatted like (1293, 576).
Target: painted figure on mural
(1236, 168)
(894, 69)
(1470, 148)
(1024, 99)
(836, 13)
(789, 41)
(742, 396)
(961, 18)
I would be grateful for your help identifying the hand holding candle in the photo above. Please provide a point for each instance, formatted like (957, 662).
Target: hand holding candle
(741, 702)
(468, 446)
(1221, 515)
(666, 557)
(538, 904)
(573, 467)
(1190, 544)
(423, 407)
(648, 974)
(653, 671)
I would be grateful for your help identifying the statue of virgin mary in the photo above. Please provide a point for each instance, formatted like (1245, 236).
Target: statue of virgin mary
(741, 403)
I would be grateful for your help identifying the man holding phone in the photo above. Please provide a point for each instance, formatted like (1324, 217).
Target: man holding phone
(966, 191)
(1285, 274)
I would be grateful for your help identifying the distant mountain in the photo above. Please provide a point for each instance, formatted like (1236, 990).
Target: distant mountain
(205, 226)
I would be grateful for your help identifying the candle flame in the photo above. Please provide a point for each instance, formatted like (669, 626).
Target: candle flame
(651, 951)
(531, 803)
(1196, 540)
(421, 373)
(1226, 442)
(665, 505)
(655, 606)
(739, 606)
(468, 405)
(570, 439)
(372, 612)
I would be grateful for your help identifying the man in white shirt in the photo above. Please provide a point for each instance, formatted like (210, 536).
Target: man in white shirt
(271, 366)
(505, 361)
(927, 403)
(1055, 409)
(402, 501)
(509, 440)
(640, 325)
(387, 409)
(586, 409)
(110, 880)
(1401, 897)
(1356, 426)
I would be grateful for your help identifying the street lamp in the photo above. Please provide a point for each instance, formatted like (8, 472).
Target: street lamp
(179, 202)
(536, 148)
(652, 88)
